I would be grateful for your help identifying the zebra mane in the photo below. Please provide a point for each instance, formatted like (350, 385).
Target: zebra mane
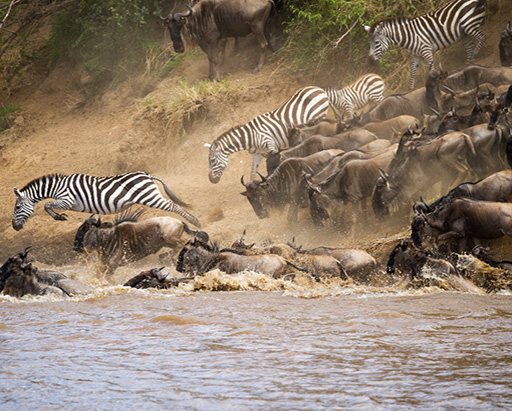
(47, 176)
(399, 19)
(128, 216)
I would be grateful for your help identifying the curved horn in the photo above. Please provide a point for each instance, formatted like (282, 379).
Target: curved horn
(449, 90)
(98, 223)
(242, 180)
(162, 17)
(263, 179)
(435, 111)
(383, 174)
(189, 11)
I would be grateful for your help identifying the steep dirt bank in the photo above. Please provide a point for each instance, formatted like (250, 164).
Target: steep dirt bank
(55, 133)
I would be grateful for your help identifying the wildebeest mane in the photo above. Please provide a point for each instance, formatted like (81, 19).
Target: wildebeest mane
(128, 216)
(199, 20)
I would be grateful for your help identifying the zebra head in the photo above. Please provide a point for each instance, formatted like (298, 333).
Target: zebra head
(23, 209)
(378, 42)
(218, 162)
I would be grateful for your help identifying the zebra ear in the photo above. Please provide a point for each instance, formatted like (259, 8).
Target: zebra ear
(207, 145)
(367, 28)
(17, 192)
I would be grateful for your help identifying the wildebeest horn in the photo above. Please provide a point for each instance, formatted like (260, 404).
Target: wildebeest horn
(189, 11)
(162, 17)
(435, 111)
(25, 252)
(382, 173)
(242, 180)
(263, 179)
(509, 29)
(98, 222)
(310, 185)
(449, 90)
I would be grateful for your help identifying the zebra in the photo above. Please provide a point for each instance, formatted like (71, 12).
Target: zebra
(421, 36)
(98, 195)
(368, 88)
(267, 133)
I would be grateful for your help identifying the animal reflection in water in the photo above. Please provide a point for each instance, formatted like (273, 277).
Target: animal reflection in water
(127, 239)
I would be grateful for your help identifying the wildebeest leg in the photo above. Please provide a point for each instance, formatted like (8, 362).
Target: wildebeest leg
(293, 212)
(256, 160)
(222, 49)
(212, 51)
(259, 31)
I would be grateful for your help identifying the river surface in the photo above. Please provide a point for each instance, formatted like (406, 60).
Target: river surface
(280, 349)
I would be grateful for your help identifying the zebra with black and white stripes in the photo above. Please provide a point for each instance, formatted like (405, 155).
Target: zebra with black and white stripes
(422, 36)
(98, 195)
(267, 133)
(366, 89)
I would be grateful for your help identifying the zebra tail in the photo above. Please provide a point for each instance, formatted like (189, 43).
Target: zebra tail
(200, 235)
(170, 194)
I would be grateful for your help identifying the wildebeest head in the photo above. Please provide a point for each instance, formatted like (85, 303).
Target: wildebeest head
(319, 203)
(380, 191)
(258, 195)
(87, 226)
(505, 46)
(175, 24)
(23, 209)
(195, 256)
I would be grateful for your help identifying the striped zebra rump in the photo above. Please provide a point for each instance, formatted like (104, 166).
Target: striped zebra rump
(268, 132)
(367, 89)
(452, 22)
(98, 195)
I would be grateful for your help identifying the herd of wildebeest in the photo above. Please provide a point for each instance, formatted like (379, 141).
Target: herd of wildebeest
(452, 136)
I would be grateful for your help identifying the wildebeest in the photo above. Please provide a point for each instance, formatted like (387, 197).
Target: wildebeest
(484, 254)
(209, 21)
(496, 187)
(411, 260)
(505, 46)
(472, 76)
(450, 159)
(462, 219)
(128, 239)
(348, 140)
(386, 129)
(325, 127)
(154, 278)
(281, 187)
(352, 184)
(197, 257)
(19, 277)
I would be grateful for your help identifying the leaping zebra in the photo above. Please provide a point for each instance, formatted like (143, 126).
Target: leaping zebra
(421, 36)
(267, 133)
(368, 88)
(98, 195)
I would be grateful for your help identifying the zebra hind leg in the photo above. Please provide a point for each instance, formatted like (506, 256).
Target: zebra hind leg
(175, 208)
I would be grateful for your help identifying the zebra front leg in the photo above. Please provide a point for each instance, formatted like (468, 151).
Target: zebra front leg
(256, 160)
(48, 207)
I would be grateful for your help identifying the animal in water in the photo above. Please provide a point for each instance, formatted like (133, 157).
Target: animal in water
(484, 254)
(267, 133)
(366, 89)
(505, 46)
(457, 20)
(99, 195)
(281, 187)
(154, 278)
(209, 21)
(128, 239)
(19, 277)
(463, 219)
(198, 257)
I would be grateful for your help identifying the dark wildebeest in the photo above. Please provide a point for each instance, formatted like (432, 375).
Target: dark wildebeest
(209, 21)
(506, 46)
(198, 257)
(352, 184)
(411, 260)
(281, 187)
(450, 159)
(496, 187)
(128, 240)
(155, 279)
(464, 218)
(18, 277)
(484, 254)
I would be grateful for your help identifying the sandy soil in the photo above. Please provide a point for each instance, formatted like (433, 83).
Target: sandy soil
(55, 133)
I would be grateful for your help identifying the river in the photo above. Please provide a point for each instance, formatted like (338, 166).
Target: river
(284, 348)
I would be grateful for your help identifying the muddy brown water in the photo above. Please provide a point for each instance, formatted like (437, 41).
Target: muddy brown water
(261, 345)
